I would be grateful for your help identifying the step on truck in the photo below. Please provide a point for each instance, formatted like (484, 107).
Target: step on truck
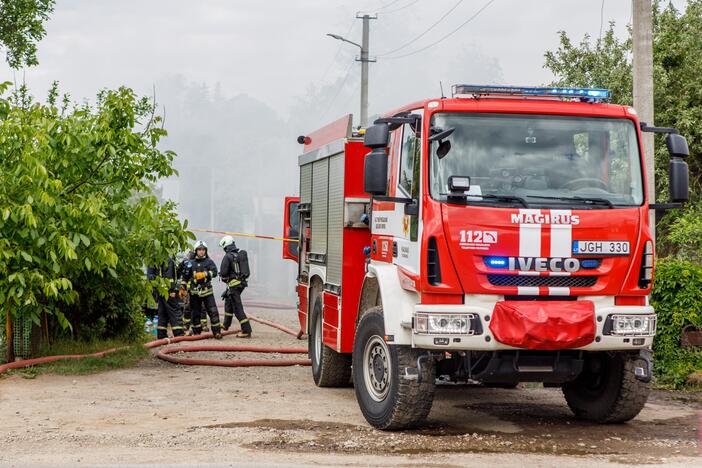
(498, 236)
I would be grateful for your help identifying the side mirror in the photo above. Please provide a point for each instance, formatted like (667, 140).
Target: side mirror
(677, 146)
(677, 169)
(412, 208)
(375, 172)
(678, 180)
(377, 136)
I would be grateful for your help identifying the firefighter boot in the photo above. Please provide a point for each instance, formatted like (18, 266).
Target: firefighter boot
(245, 329)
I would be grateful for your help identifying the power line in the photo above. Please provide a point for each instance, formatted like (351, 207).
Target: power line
(446, 36)
(425, 31)
(336, 55)
(400, 8)
(382, 7)
(347, 73)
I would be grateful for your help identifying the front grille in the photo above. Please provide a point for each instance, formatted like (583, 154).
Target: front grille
(550, 281)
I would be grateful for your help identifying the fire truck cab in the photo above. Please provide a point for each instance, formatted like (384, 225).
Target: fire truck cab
(498, 236)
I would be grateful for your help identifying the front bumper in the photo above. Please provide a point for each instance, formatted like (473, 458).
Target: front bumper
(481, 307)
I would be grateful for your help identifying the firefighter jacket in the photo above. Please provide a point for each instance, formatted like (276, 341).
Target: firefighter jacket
(201, 287)
(167, 270)
(231, 269)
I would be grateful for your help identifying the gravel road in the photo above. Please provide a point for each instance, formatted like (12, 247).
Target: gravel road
(159, 414)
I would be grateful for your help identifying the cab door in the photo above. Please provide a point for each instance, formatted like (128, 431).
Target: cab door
(291, 229)
(408, 184)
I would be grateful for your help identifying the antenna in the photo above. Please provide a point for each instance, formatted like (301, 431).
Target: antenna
(442, 90)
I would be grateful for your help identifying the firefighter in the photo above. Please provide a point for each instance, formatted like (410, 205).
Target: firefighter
(169, 309)
(201, 271)
(234, 271)
(184, 273)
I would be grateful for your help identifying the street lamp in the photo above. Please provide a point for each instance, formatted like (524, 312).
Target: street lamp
(340, 38)
(364, 64)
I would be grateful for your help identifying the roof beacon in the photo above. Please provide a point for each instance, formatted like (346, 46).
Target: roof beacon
(584, 94)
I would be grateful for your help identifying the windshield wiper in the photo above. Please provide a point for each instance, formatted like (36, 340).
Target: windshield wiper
(489, 196)
(585, 200)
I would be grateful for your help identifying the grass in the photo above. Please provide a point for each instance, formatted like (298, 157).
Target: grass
(132, 353)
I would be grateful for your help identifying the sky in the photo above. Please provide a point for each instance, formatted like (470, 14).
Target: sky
(276, 50)
(239, 80)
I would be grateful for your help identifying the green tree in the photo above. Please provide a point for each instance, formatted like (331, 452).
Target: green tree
(78, 222)
(21, 27)
(677, 55)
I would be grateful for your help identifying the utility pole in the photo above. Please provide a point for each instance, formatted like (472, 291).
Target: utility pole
(643, 88)
(365, 59)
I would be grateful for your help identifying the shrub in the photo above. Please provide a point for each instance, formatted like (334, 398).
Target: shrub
(677, 297)
(78, 221)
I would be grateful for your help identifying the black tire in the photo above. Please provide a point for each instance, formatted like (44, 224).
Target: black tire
(329, 368)
(388, 399)
(607, 390)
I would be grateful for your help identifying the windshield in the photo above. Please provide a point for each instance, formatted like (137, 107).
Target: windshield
(543, 160)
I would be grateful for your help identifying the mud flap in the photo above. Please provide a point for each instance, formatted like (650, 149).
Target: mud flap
(644, 370)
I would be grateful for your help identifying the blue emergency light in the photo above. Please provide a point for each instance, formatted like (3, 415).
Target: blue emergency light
(586, 94)
(590, 263)
(496, 262)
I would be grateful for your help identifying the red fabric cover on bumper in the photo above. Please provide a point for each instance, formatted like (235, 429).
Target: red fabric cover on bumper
(544, 324)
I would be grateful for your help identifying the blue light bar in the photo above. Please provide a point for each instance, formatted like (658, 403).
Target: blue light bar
(588, 94)
(496, 262)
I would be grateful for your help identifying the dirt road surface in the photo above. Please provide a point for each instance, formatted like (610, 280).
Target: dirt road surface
(163, 414)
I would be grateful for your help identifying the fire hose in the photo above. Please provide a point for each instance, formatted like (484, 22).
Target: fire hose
(166, 353)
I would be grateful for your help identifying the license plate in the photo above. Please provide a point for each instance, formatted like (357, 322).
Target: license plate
(600, 248)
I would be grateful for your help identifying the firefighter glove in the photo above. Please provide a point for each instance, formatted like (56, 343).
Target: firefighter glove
(200, 275)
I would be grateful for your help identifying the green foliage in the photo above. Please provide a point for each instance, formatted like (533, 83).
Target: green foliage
(21, 27)
(604, 64)
(677, 298)
(685, 232)
(677, 54)
(77, 220)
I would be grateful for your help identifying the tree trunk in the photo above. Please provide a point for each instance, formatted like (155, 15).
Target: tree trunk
(8, 335)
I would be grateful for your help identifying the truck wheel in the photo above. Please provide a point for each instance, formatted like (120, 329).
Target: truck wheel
(389, 397)
(329, 368)
(607, 390)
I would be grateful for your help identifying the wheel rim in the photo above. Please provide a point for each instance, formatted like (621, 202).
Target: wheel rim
(317, 339)
(376, 368)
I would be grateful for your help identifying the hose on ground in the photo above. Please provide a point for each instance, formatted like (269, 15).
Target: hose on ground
(45, 359)
(166, 353)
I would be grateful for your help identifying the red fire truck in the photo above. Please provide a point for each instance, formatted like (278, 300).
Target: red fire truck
(498, 236)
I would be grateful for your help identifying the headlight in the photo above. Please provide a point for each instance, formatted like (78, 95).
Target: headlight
(445, 324)
(631, 325)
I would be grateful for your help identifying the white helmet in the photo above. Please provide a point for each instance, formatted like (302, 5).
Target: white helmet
(226, 241)
(200, 245)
